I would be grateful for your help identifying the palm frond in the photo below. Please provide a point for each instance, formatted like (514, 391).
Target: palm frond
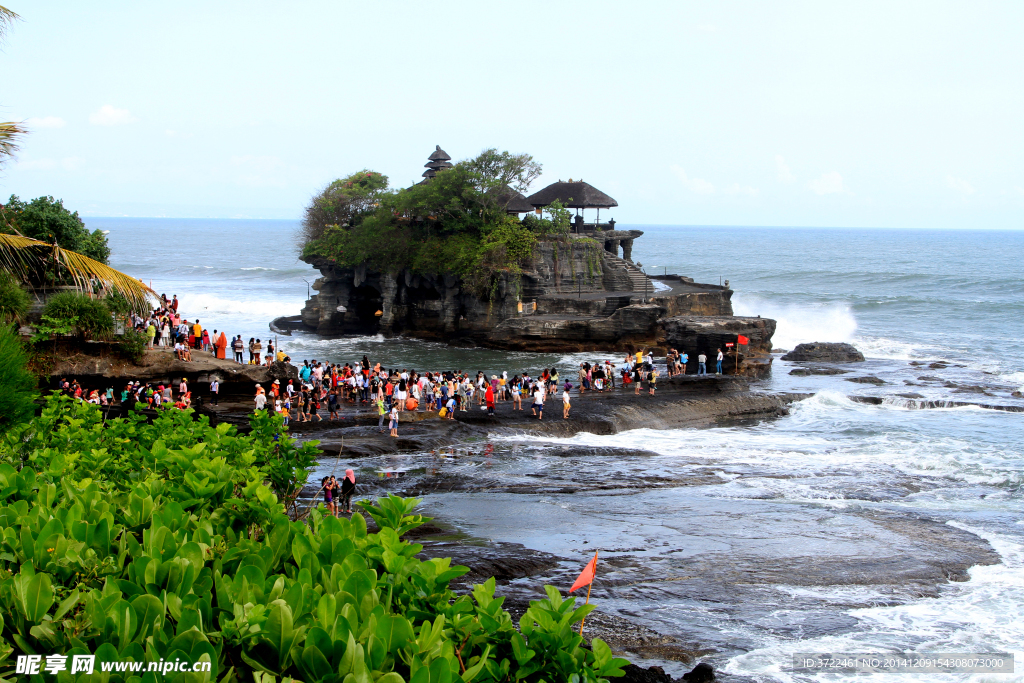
(10, 132)
(26, 258)
(7, 17)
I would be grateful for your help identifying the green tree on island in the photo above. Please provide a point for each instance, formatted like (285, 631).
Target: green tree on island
(456, 222)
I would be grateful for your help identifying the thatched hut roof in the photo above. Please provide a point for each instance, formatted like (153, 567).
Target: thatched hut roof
(577, 195)
(514, 202)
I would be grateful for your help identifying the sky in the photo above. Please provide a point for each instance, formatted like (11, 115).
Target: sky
(874, 114)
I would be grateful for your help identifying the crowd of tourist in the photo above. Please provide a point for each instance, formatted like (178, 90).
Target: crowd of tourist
(327, 387)
(165, 328)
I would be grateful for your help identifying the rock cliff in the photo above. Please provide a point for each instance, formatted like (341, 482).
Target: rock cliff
(574, 295)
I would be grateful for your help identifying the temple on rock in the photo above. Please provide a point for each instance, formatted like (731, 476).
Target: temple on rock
(581, 291)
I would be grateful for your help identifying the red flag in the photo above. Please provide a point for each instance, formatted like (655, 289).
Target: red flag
(587, 575)
(740, 339)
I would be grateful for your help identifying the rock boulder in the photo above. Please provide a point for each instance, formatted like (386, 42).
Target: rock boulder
(826, 352)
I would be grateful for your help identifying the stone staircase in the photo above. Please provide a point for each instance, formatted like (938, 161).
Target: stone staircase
(641, 283)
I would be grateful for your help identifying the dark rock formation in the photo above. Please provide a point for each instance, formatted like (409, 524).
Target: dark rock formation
(708, 333)
(870, 379)
(807, 372)
(576, 295)
(162, 367)
(702, 673)
(826, 352)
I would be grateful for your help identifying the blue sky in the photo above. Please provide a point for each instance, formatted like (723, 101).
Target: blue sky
(882, 114)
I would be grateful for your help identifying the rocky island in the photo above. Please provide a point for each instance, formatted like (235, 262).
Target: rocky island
(450, 259)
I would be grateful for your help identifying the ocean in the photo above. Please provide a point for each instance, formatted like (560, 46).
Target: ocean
(830, 484)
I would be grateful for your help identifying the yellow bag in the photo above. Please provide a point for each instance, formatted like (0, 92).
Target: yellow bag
(443, 412)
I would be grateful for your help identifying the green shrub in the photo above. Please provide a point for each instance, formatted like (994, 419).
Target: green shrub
(169, 540)
(133, 344)
(93, 316)
(14, 301)
(17, 385)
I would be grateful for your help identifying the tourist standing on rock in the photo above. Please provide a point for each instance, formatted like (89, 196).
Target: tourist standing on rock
(565, 401)
(174, 303)
(328, 488)
(702, 368)
(236, 348)
(214, 391)
(260, 399)
(348, 488)
(684, 359)
(197, 334)
(718, 368)
(652, 380)
(150, 334)
(394, 421)
(165, 333)
(537, 408)
(489, 399)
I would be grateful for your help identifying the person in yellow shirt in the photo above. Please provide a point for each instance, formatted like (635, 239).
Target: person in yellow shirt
(198, 330)
(639, 357)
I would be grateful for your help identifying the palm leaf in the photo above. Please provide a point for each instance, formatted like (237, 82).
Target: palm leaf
(7, 17)
(9, 134)
(27, 259)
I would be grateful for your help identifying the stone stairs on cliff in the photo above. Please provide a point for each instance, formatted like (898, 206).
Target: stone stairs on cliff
(640, 282)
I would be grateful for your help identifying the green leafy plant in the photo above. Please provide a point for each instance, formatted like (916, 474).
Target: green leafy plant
(14, 301)
(132, 344)
(139, 541)
(92, 317)
(17, 385)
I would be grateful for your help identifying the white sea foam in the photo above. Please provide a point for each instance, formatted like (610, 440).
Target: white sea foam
(981, 615)
(199, 304)
(831, 322)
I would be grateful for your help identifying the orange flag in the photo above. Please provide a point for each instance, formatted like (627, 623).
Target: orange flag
(587, 576)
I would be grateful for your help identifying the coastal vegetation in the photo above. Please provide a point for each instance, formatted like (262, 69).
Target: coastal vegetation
(174, 539)
(456, 222)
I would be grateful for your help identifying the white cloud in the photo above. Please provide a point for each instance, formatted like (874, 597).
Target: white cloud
(72, 163)
(784, 174)
(693, 184)
(109, 115)
(960, 185)
(828, 183)
(736, 188)
(45, 122)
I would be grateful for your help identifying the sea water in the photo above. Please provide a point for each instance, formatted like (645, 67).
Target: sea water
(900, 296)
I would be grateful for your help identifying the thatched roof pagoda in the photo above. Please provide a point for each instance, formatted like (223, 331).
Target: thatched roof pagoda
(574, 195)
(438, 161)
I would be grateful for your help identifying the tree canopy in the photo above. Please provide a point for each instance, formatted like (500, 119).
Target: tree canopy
(45, 219)
(455, 222)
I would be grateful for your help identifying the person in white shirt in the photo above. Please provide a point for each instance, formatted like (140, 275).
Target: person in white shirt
(261, 401)
(702, 367)
(718, 369)
(565, 404)
(538, 402)
(214, 391)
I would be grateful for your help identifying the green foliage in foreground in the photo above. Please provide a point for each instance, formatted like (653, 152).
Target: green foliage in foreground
(139, 541)
(17, 385)
(14, 301)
